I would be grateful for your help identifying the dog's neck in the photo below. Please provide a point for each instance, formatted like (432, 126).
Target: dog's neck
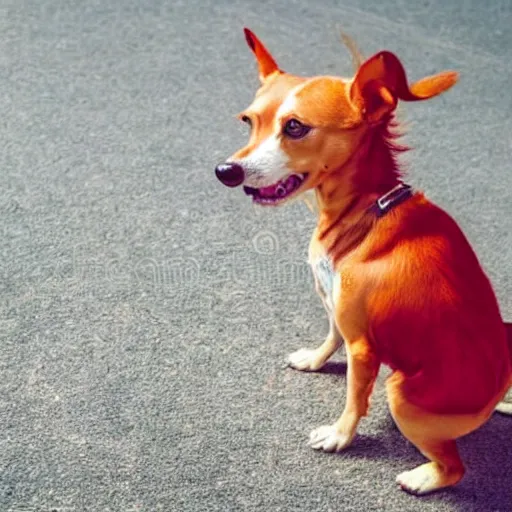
(345, 196)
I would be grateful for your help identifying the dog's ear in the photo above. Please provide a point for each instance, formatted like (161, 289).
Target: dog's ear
(381, 81)
(266, 63)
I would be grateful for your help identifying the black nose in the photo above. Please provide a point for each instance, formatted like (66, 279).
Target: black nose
(230, 174)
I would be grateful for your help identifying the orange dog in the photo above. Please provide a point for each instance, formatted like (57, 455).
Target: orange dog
(399, 280)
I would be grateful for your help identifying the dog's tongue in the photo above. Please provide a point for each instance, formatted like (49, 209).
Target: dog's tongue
(268, 191)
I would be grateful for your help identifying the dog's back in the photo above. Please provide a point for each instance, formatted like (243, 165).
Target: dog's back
(433, 313)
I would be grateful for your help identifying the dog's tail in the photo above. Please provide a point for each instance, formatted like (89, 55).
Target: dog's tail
(505, 407)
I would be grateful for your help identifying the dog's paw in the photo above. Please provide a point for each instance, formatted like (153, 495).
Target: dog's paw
(305, 360)
(417, 481)
(329, 439)
(427, 478)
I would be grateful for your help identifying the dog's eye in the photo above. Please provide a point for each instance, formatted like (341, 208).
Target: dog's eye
(247, 120)
(295, 129)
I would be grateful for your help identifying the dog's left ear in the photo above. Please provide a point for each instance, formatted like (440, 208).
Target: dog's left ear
(381, 81)
(266, 63)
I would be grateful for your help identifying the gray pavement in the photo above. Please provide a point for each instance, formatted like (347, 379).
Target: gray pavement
(146, 310)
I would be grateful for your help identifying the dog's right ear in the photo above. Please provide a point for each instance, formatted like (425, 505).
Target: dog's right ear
(266, 63)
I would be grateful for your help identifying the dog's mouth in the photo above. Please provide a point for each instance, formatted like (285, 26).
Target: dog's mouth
(278, 192)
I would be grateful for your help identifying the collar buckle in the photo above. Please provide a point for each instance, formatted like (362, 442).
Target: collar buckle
(393, 198)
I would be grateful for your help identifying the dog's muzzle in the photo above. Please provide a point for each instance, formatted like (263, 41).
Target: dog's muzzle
(230, 174)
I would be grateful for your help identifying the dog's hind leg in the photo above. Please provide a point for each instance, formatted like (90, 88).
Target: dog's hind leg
(434, 435)
(445, 468)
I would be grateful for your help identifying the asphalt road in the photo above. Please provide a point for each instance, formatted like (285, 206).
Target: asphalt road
(146, 310)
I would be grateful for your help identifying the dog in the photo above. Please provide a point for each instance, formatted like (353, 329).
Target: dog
(400, 282)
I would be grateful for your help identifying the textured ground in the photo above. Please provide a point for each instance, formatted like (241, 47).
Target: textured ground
(146, 310)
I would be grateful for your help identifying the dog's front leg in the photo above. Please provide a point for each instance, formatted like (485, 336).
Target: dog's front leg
(306, 359)
(311, 360)
(363, 366)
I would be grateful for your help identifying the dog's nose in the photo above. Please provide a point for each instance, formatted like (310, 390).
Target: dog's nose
(230, 174)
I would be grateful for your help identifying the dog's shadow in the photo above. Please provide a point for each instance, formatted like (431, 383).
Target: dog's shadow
(487, 454)
(334, 368)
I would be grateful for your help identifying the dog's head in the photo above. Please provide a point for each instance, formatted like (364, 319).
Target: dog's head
(303, 129)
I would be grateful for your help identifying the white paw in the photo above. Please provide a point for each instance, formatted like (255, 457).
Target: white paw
(504, 407)
(305, 360)
(429, 477)
(419, 480)
(329, 439)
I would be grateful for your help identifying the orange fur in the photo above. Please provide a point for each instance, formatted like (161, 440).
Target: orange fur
(409, 291)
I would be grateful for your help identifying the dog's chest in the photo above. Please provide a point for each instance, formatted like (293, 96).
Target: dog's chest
(324, 275)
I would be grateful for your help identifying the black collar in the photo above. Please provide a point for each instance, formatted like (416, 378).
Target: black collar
(389, 200)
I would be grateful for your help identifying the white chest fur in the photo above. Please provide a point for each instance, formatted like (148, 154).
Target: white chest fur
(324, 278)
